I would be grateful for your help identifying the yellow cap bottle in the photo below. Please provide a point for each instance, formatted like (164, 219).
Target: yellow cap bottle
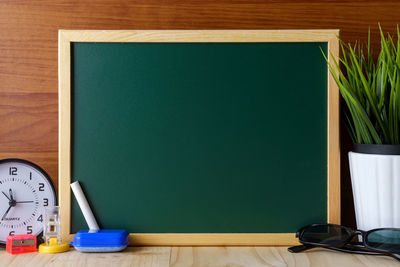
(51, 232)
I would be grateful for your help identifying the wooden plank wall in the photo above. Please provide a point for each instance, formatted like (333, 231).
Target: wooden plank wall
(28, 52)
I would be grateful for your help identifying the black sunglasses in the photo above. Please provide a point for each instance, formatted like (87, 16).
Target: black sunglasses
(382, 241)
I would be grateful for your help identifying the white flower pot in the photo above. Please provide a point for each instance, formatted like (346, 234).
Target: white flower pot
(376, 189)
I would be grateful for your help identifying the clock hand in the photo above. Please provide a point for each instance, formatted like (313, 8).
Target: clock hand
(24, 201)
(5, 214)
(6, 196)
(11, 195)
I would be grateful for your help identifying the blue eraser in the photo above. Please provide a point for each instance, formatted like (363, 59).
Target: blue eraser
(101, 240)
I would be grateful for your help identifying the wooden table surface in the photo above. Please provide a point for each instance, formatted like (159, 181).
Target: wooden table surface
(198, 256)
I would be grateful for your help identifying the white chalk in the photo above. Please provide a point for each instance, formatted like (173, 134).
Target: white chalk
(84, 205)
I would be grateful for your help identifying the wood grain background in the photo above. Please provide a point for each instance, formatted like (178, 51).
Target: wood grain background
(28, 52)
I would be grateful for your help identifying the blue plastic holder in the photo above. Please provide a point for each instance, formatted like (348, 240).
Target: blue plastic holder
(101, 240)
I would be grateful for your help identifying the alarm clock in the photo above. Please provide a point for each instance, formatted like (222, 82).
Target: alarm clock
(25, 190)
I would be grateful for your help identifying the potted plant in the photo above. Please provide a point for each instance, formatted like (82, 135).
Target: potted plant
(370, 87)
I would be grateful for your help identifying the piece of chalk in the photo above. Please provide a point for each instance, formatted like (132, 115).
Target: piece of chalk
(84, 205)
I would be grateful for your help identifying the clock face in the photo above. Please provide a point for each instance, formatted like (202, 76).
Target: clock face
(25, 190)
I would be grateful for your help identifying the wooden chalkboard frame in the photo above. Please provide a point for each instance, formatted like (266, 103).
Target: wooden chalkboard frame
(66, 37)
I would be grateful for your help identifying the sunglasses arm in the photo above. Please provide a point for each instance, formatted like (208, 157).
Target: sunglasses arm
(396, 256)
(299, 248)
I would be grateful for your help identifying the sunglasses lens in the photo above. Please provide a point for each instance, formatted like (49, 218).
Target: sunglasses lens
(384, 239)
(325, 234)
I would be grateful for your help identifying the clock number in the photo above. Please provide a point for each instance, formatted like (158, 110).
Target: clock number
(41, 186)
(46, 202)
(29, 229)
(40, 219)
(13, 170)
(12, 233)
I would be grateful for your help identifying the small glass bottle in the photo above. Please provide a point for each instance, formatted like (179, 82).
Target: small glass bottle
(51, 227)
(52, 232)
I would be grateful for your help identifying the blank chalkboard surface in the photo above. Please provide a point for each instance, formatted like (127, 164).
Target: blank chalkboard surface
(199, 137)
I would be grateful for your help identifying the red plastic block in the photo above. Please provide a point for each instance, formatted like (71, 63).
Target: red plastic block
(17, 244)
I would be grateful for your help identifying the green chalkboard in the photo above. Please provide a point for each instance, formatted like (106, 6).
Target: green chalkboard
(200, 137)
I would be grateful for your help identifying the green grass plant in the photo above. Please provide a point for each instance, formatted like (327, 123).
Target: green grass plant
(370, 87)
